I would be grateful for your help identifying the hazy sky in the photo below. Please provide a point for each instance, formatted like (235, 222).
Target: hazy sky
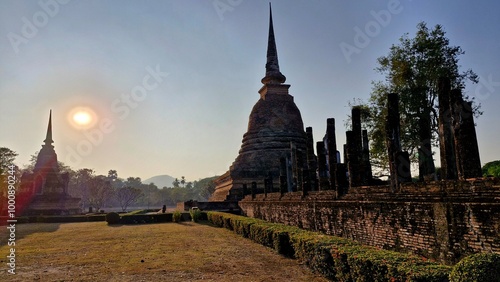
(172, 83)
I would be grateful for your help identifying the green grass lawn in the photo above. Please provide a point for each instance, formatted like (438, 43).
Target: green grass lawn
(94, 251)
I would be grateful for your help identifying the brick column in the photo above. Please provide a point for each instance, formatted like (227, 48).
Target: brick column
(366, 158)
(392, 137)
(426, 168)
(356, 148)
(322, 168)
(446, 140)
(283, 176)
(312, 161)
(331, 147)
(353, 164)
(466, 147)
(294, 163)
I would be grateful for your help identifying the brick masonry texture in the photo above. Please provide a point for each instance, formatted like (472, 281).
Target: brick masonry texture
(443, 220)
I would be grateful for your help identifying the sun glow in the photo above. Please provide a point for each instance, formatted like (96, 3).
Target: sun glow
(82, 117)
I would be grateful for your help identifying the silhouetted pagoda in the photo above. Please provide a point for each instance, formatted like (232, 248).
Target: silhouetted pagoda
(275, 130)
(45, 191)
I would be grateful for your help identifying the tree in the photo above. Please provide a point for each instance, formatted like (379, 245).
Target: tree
(183, 181)
(150, 192)
(412, 69)
(112, 174)
(100, 192)
(205, 186)
(7, 157)
(80, 183)
(133, 182)
(176, 183)
(116, 182)
(127, 196)
(492, 169)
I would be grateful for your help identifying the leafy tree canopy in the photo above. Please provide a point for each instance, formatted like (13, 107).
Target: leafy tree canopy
(492, 169)
(7, 157)
(412, 69)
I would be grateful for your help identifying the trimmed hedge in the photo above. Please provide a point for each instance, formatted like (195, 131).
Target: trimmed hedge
(176, 216)
(337, 259)
(477, 267)
(195, 215)
(130, 218)
(61, 218)
(112, 218)
(146, 218)
(157, 218)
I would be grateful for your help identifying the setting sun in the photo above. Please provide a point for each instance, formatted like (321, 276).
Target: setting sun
(82, 118)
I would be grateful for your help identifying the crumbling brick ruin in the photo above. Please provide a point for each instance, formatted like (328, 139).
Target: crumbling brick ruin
(443, 220)
(278, 177)
(45, 191)
(275, 130)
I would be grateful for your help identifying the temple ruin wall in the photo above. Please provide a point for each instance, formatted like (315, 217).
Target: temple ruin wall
(444, 220)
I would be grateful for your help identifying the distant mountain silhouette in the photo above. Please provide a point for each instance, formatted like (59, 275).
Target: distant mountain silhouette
(160, 181)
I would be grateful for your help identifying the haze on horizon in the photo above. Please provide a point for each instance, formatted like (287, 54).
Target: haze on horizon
(166, 87)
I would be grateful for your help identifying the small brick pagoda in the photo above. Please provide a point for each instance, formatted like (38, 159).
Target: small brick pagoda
(45, 191)
(275, 133)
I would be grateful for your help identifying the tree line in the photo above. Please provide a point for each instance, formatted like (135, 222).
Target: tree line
(112, 191)
(107, 191)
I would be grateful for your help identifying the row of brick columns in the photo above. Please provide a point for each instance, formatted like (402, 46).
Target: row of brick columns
(356, 169)
(304, 171)
(326, 172)
(459, 150)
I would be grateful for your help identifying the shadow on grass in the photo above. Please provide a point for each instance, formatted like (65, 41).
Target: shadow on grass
(206, 223)
(139, 224)
(184, 223)
(25, 229)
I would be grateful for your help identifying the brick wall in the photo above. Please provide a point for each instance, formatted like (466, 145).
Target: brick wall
(441, 220)
(209, 206)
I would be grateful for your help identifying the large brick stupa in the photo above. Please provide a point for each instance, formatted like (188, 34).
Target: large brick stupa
(45, 191)
(275, 125)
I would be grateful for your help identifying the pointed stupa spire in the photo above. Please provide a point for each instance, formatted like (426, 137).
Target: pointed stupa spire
(48, 139)
(273, 74)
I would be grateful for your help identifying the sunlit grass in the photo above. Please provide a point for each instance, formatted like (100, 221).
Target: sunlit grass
(149, 252)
